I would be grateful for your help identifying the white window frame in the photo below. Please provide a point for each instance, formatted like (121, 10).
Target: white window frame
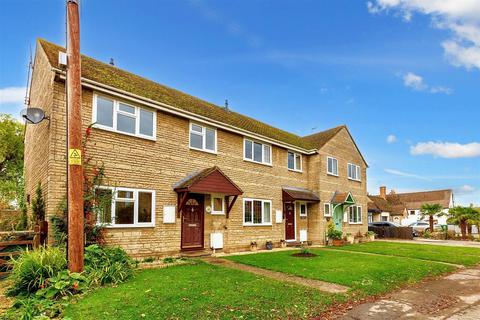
(253, 148)
(204, 137)
(355, 169)
(331, 172)
(358, 211)
(295, 155)
(300, 204)
(252, 224)
(216, 196)
(329, 205)
(135, 223)
(116, 110)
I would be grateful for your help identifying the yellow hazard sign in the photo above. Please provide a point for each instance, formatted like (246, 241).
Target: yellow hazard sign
(75, 157)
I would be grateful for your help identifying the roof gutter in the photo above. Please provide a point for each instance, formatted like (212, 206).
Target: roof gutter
(182, 113)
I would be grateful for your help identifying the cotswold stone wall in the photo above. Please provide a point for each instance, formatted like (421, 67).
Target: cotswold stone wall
(139, 163)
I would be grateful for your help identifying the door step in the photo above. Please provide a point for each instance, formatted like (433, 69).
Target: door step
(196, 253)
(295, 244)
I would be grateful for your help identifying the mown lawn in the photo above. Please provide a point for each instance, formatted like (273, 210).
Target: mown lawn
(458, 255)
(365, 274)
(201, 291)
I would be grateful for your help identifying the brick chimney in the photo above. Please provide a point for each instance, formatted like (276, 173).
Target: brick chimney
(383, 192)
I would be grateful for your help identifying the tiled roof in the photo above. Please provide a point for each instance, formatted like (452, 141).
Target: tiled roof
(414, 200)
(220, 183)
(120, 79)
(378, 204)
(300, 194)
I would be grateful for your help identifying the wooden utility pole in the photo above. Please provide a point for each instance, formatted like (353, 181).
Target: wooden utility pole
(74, 132)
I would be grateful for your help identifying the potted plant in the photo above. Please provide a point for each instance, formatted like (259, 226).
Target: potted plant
(336, 236)
(350, 238)
(253, 246)
(358, 237)
(370, 235)
(283, 243)
(269, 245)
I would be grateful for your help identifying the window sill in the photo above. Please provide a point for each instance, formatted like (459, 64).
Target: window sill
(355, 223)
(293, 170)
(331, 174)
(120, 226)
(356, 180)
(203, 150)
(303, 215)
(218, 213)
(262, 163)
(102, 127)
(258, 225)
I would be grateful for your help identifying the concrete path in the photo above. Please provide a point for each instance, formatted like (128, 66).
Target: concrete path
(317, 284)
(452, 243)
(453, 297)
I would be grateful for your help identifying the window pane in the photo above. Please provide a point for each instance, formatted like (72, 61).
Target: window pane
(104, 112)
(210, 139)
(335, 166)
(257, 211)
(146, 122)
(303, 209)
(248, 149)
(330, 165)
(349, 170)
(125, 194)
(291, 161)
(358, 172)
(327, 209)
(144, 207)
(124, 212)
(298, 162)
(104, 205)
(125, 108)
(266, 154)
(218, 204)
(266, 212)
(196, 140)
(197, 128)
(257, 152)
(248, 211)
(125, 123)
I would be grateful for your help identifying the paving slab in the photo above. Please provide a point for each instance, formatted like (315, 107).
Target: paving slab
(452, 297)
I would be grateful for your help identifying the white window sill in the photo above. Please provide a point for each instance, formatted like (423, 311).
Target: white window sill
(203, 150)
(303, 215)
(262, 163)
(356, 180)
(332, 174)
(257, 225)
(218, 213)
(357, 223)
(102, 127)
(294, 170)
(120, 226)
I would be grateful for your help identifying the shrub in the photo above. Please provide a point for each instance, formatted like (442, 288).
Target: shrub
(38, 204)
(334, 234)
(63, 284)
(33, 308)
(32, 268)
(107, 265)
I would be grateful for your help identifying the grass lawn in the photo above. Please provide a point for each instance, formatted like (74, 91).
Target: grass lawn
(200, 291)
(458, 255)
(365, 274)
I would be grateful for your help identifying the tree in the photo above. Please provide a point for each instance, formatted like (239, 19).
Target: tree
(11, 162)
(38, 205)
(431, 210)
(461, 216)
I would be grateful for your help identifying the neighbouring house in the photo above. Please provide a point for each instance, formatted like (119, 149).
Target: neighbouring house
(185, 174)
(404, 208)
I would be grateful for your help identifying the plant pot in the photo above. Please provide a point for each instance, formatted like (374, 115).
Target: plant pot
(371, 237)
(337, 242)
(253, 248)
(350, 239)
(269, 245)
(283, 244)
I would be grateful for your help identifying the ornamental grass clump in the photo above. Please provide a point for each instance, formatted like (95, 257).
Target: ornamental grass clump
(32, 269)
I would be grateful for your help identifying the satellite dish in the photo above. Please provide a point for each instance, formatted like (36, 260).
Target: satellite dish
(33, 115)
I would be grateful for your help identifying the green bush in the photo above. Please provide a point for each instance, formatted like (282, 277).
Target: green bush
(335, 234)
(107, 265)
(32, 268)
(33, 308)
(63, 284)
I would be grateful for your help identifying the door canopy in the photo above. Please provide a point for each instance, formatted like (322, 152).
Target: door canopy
(343, 198)
(291, 194)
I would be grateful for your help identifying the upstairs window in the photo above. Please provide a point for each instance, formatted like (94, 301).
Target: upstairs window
(332, 166)
(113, 115)
(294, 161)
(203, 138)
(257, 212)
(355, 215)
(257, 152)
(353, 172)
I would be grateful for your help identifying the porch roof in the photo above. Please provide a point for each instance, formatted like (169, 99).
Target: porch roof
(209, 180)
(342, 197)
(293, 193)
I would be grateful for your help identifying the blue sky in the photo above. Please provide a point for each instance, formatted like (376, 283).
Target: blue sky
(403, 75)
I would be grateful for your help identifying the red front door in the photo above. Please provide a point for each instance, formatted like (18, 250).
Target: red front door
(192, 222)
(289, 221)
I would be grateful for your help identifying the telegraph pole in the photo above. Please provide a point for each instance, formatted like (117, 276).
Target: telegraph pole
(74, 136)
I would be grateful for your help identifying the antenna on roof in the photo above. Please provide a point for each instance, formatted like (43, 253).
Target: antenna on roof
(112, 63)
(27, 88)
(226, 104)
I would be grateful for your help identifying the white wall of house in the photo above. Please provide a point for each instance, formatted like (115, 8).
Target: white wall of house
(415, 215)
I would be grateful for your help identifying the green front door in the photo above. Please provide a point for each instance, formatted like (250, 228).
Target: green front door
(338, 217)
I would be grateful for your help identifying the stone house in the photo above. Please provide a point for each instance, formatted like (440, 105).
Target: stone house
(185, 174)
(404, 208)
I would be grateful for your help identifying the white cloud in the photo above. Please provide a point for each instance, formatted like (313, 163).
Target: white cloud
(12, 95)
(416, 82)
(465, 189)
(447, 149)
(391, 138)
(460, 17)
(406, 174)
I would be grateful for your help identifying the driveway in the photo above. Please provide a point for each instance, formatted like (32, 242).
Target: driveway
(456, 296)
